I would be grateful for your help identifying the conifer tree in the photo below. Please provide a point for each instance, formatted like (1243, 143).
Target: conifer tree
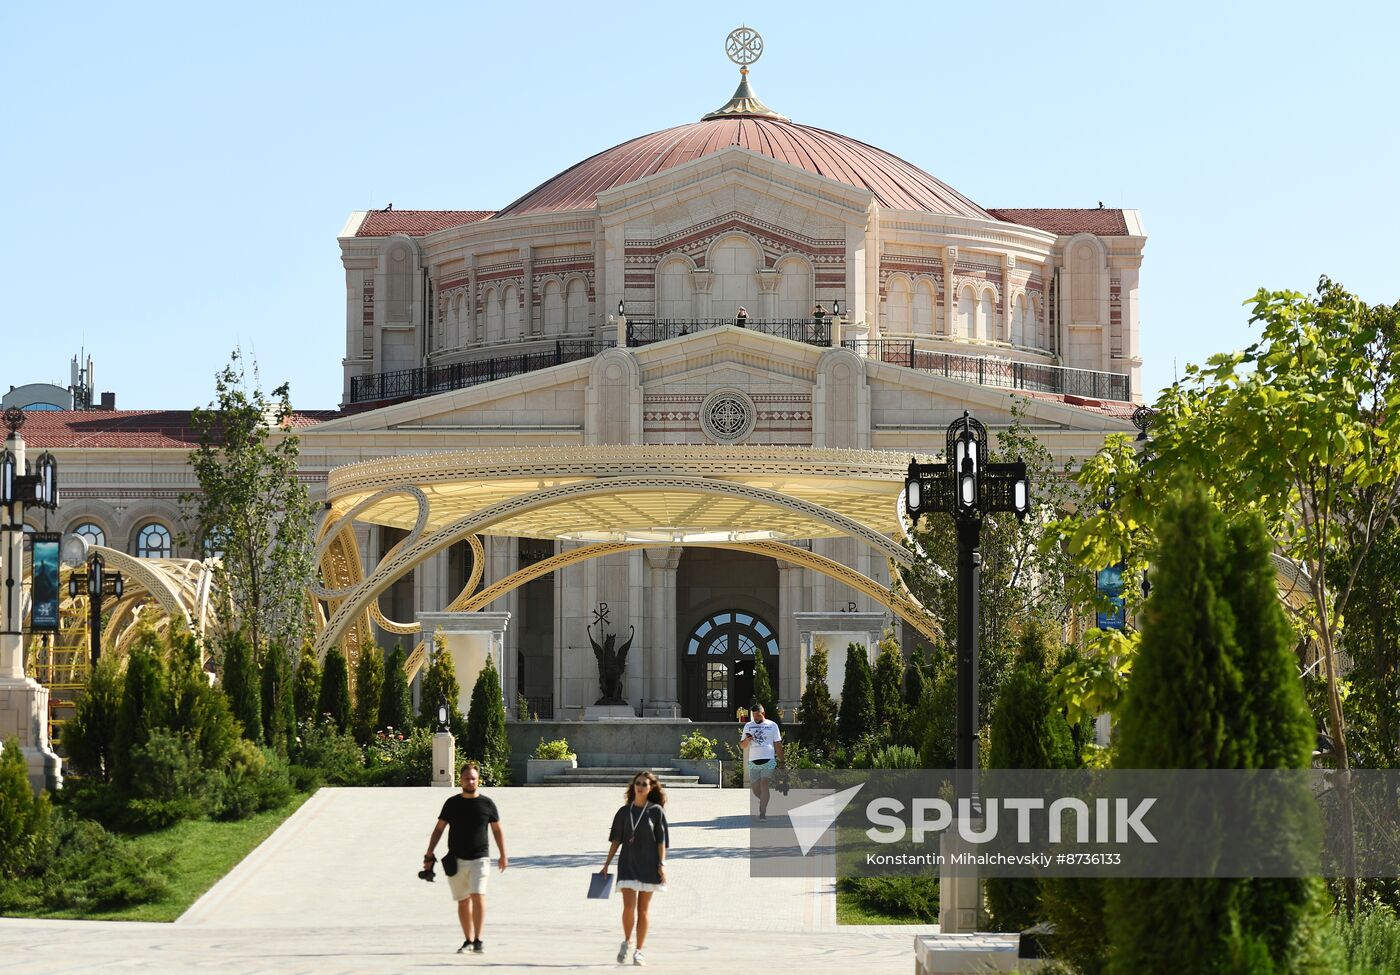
(369, 691)
(307, 691)
(145, 704)
(440, 686)
(89, 738)
(335, 690)
(914, 684)
(278, 699)
(763, 687)
(857, 713)
(889, 688)
(485, 738)
(936, 717)
(241, 685)
(396, 702)
(818, 712)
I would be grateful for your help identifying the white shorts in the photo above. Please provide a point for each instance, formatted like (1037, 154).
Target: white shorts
(470, 878)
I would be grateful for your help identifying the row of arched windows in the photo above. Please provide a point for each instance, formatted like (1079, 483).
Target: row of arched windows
(563, 310)
(153, 540)
(912, 309)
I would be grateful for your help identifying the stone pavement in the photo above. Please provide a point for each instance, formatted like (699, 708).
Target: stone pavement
(334, 891)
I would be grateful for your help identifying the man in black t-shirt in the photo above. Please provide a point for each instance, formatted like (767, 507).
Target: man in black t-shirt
(466, 817)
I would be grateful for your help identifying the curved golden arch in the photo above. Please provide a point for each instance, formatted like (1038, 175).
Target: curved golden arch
(392, 568)
(904, 607)
(139, 573)
(474, 580)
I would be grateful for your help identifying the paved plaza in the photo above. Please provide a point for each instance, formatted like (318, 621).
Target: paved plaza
(334, 891)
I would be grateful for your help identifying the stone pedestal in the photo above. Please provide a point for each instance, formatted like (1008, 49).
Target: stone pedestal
(604, 712)
(959, 890)
(24, 708)
(444, 759)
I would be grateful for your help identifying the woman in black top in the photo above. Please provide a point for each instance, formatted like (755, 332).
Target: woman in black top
(639, 828)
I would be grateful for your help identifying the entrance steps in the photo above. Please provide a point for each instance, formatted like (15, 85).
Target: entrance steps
(620, 776)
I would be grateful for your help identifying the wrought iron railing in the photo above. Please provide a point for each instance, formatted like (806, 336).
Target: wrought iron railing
(427, 380)
(645, 331)
(993, 371)
(540, 707)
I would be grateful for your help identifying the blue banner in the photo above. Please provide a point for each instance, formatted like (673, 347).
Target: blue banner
(45, 581)
(1111, 587)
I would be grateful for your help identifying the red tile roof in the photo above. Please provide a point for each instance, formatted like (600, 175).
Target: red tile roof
(145, 429)
(1104, 223)
(416, 223)
(894, 182)
(1110, 407)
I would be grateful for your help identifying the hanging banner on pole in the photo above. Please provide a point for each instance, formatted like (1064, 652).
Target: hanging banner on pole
(1111, 586)
(44, 561)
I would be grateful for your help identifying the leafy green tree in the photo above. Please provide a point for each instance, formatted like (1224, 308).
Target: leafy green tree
(145, 704)
(396, 703)
(936, 717)
(335, 690)
(369, 691)
(1029, 731)
(253, 508)
(1214, 686)
(818, 712)
(486, 739)
(279, 713)
(889, 688)
(857, 714)
(306, 692)
(763, 687)
(242, 686)
(89, 739)
(24, 816)
(439, 687)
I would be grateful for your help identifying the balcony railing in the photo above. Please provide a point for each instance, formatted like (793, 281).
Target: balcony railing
(991, 371)
(645, 331)
(428, 380)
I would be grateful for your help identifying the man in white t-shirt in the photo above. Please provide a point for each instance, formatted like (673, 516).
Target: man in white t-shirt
(763, 748)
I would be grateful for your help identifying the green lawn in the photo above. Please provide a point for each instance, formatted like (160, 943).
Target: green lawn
(194, 855)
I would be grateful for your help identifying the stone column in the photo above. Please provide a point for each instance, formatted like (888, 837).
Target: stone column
(527, 289)
(791, 599)
(701, 280)
(768, 293)
(24, 702)
(472, 334)
(1008, 264)
(663, 688)
(950, 291)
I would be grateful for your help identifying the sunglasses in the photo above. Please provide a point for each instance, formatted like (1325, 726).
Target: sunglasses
(641, 784)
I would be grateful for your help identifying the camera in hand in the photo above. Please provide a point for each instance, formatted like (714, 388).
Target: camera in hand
(427, 872)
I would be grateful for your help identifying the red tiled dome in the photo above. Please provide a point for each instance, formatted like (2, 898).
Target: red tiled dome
(895, 183)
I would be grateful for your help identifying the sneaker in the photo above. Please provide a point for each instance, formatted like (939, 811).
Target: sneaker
(637, 958)
(478, 947)
(466, 947)
(622, 953)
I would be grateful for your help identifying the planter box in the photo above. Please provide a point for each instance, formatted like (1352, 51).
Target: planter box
(537, 768)
(709, 769)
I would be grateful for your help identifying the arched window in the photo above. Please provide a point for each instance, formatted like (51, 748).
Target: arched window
(734, 262)
(899, 307)
(576, 306)
(153, 541)
(673, 290)
(987, 317)
(1019, 332)
(924, 305)
(1084, 289)
(552, 307)
(513, 330)
(92, 532)
(723, 651)
(966, 312)
(796, 289)
(494, 320)
(732, 632)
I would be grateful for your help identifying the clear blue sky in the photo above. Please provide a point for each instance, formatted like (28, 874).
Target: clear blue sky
(177, 173)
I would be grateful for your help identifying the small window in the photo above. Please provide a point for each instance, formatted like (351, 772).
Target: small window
(153, 542)
(92, 532)
(716, 685)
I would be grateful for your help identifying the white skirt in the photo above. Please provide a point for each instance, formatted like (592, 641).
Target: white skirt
(638, 885)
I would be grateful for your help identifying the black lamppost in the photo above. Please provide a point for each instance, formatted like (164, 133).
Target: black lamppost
(95, 583)
(967, 486)
(21, 488)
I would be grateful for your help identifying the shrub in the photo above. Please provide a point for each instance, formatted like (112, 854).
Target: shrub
(763, 686)
(322, 746)
(168, 781)
(369, 691)
(335, 690)
(936, 717)
(279, 711)
(198, 711)
(241, 684)
(255, 779)
(485, 738)
(24, 816)
(556, 750)
(306, 694)
(857, 714)
(895, 756)
(90, 737)
(393, 760)
(696, 746)
(86, 869)
(145, 702)
(396, 704)
(818, 711)
(1366, 944)
(915, 897)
